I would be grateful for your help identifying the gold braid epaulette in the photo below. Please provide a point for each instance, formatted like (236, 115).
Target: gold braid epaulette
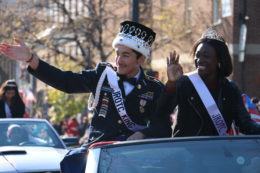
(153, 79)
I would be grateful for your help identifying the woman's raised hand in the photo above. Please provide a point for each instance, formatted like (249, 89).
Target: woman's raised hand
(18, 52)
(174, 69)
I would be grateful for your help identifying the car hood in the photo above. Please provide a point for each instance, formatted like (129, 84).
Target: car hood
(30, 159)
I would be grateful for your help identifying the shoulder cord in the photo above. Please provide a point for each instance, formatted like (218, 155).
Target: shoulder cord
(92, 106)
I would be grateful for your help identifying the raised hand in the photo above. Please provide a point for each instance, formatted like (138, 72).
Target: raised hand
(18, 52)
(174, 69)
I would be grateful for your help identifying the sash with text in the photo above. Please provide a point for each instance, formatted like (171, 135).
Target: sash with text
(118, 100)
(209, 103)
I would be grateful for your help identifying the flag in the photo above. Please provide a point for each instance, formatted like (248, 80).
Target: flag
(234, 131)
(251, 108)
(253, 112)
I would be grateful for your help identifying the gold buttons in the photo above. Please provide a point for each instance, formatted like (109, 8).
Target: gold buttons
(119, 122)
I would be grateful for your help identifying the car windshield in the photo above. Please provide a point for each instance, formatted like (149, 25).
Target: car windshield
(28, 133)
(211, 156)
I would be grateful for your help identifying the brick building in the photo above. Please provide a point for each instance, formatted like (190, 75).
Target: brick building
(238, 21)
(247, 72)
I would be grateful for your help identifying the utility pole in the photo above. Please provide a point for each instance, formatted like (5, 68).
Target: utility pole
(135, 10)
(242, 42)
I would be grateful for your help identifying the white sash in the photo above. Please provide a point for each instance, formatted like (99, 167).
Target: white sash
(118, 100)
(209, 103)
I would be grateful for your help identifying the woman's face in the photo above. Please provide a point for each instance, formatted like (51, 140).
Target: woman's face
(206, 61)
(9, 94)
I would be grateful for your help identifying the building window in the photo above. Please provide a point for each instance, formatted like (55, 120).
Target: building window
(216, 12)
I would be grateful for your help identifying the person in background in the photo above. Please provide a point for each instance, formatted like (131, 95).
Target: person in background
(17, 135)
(64, 125)
(38, 115)
(56, 125)
(207, 101)
(72, 127)
(11, 104)
(43, 135)
(124, 98)
(86, 131)
(83, 126)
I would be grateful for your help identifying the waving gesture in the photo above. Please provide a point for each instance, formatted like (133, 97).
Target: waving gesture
(174, 69)
(18, 52)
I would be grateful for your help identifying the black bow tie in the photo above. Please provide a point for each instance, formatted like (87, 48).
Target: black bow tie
(131, 80)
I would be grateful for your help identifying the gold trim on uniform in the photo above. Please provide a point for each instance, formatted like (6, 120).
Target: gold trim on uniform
(139, 86)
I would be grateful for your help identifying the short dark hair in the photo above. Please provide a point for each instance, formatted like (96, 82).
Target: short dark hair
(138, 54)
(222, 52)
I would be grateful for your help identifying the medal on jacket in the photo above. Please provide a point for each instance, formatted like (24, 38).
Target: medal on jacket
(104, 106)
(142, 105)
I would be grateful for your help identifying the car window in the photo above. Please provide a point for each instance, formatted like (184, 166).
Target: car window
(28, 133)
(225, 156)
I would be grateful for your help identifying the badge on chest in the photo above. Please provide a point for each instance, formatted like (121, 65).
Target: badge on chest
(147, 96)
(142, 105)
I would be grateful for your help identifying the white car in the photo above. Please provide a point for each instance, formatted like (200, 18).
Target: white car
(30, 145)
(239, 154)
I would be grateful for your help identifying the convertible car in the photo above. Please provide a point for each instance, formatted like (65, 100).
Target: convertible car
(30, 145)
(239, 154)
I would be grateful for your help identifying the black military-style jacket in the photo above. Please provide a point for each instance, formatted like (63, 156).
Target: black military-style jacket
(106, 124)
(193, 119)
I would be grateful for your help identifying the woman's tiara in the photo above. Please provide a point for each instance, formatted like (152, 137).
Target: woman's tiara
(210, 33)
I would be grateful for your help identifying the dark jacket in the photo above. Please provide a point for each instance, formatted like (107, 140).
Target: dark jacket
(17, 110)
(140, 103)
(192, 117)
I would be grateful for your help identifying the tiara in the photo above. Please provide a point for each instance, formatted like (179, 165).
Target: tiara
(210, 33)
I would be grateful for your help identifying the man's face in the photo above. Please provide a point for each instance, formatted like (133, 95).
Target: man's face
(126, 61)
